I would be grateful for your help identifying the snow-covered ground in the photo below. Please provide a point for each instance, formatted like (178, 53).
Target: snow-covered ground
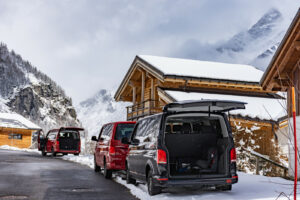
(249, 187)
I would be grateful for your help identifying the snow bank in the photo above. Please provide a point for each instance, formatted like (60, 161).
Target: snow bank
(6, 147)
(263, 108)
(87, 160)
(203, 69)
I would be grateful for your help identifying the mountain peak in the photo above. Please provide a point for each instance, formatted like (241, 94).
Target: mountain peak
(261, 29)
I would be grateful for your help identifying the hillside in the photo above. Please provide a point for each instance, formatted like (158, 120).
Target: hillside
(29, 92)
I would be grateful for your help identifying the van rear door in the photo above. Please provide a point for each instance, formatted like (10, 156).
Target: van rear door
(212, 106)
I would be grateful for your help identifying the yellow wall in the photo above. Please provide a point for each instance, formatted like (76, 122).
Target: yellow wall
(25, 142)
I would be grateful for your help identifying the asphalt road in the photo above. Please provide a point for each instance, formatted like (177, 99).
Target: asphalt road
(26, 175)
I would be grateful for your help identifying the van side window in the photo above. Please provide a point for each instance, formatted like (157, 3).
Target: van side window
(148, 129)
(52, 135)
(142, 127)
(106, 132)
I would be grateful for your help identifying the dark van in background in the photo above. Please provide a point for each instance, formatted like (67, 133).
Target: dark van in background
(65, 140)
(110, 152)
(189, 144)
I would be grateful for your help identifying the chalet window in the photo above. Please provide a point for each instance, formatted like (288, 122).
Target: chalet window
(15, 136)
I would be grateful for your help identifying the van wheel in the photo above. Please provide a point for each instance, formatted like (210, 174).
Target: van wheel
(224, 187)
(96, 167)
(129, 180)
(106, 172)
(53, 153)
(76, 154)
(152, 189)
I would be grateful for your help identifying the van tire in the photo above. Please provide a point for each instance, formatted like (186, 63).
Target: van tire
(107, 172)
(152, 189)
(129, 180)
(96, 167)
(76, 154)
(53, 154)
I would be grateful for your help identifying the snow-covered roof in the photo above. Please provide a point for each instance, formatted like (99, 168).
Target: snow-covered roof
(13, 120)
(203, 69)
(256, 107)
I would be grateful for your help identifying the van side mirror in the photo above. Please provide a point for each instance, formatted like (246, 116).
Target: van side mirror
(94, 138)
(125, 140)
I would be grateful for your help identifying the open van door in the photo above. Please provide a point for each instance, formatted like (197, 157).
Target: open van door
(41, 140)
(211, 106)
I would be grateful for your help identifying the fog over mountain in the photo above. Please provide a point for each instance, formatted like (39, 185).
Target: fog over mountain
(254, 46)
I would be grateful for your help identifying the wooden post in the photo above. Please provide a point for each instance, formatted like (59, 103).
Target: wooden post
(152, 93)
(133, 95)
(143, 88)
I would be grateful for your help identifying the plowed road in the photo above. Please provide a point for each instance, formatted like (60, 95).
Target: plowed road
(26, 175)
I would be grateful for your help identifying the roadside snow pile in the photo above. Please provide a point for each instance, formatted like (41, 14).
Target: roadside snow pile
(6, 147)
(82, 159)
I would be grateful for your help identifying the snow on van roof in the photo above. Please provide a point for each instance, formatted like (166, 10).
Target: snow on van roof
(203, 69)
(257, 107)
(13, 120)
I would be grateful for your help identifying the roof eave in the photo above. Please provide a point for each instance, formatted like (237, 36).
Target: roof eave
(283, 41)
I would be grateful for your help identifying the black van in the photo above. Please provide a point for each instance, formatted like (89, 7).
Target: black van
(189, 144)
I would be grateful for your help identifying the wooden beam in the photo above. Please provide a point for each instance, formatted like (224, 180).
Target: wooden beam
(143, 87)
(133, 95)
(297, 45)
(152, 89)
(134, 83)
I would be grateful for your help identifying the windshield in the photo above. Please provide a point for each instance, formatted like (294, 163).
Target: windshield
(69, 134)
(124, 130)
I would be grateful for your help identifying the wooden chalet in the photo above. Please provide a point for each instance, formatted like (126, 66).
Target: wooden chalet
(16, 131)
(151, 82)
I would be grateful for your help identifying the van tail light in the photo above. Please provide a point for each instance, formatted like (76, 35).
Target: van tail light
(112, 150)
(79, 145)
(57, 144)
(233, 155)
(161, 157)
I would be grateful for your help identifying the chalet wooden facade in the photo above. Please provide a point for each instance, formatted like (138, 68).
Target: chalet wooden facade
(149, 84)
(16, 131)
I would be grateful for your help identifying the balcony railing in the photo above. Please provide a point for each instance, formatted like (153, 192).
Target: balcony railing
(143, 109)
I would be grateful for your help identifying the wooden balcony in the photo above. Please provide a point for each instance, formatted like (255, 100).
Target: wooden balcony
(143, 109)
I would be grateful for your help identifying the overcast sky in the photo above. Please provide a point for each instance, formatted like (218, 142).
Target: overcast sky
(88, 45)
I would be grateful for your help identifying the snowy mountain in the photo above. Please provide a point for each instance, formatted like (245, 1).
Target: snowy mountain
(27, 91)
(100, 109)
(254, 46)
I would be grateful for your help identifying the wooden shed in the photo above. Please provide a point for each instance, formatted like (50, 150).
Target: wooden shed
(151, 82)
(16, 131)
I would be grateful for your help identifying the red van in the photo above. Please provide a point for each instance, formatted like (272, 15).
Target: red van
(65, 140)
(110, 152)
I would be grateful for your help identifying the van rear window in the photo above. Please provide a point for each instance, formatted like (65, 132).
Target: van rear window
(124, 130)
(69, 134)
